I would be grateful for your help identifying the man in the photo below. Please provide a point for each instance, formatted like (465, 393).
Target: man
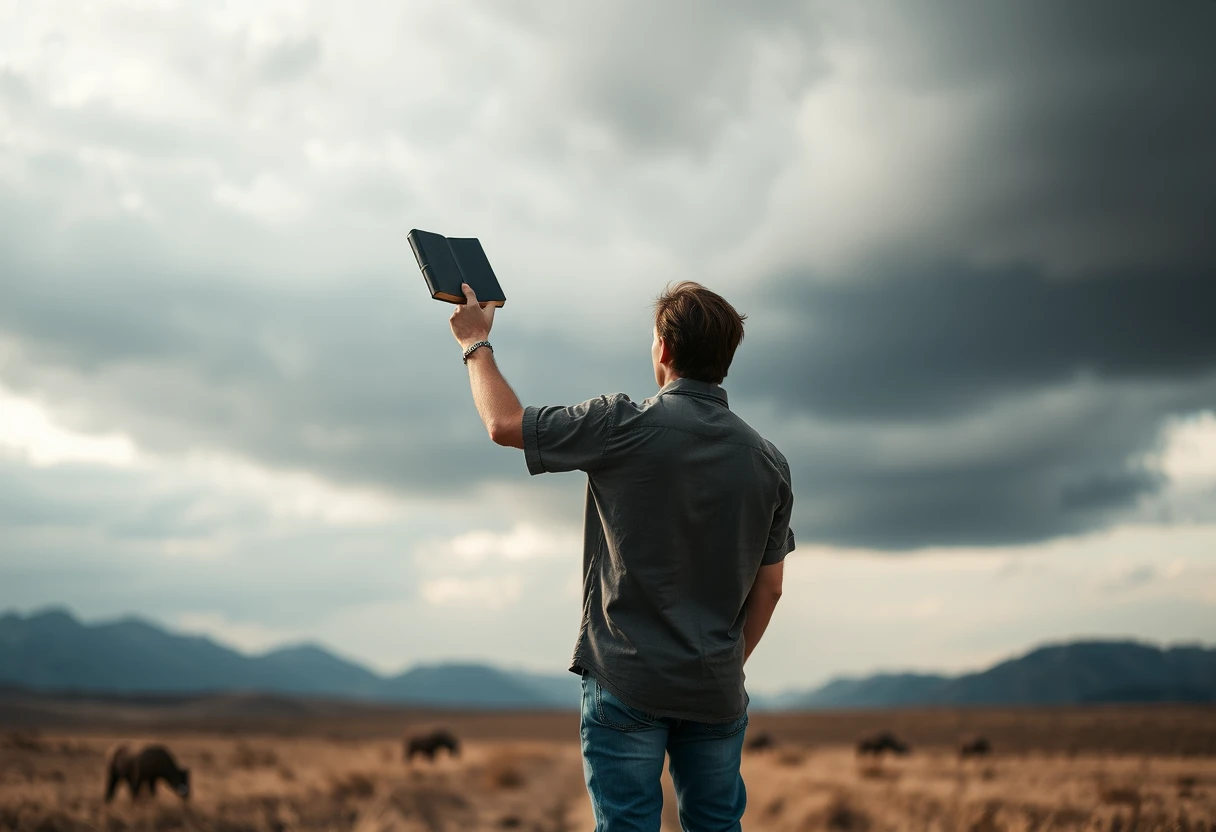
(687, 525)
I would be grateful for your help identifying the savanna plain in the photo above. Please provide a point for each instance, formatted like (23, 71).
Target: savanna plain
(282, 765)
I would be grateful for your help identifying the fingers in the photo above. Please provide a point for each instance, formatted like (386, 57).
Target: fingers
(469, 295)
(488, 309)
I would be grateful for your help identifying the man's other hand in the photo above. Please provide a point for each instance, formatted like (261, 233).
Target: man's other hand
(472, 321)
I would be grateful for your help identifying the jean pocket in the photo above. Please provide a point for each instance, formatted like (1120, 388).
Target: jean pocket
(616, 714)
(726, 729)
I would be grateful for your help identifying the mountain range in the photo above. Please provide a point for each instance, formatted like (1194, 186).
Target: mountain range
(1077, 673)
(54, 651)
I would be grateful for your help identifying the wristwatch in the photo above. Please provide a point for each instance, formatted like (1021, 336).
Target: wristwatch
(472, 348)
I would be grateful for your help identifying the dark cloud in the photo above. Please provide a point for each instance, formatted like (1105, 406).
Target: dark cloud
(355, 382)
(999, 374)
(129, 536)
(972, 240)
(113, 503)
(1094, 126)
(951, 409)
(1013, 393)
(909, 342)
(1079, 130)
(965, 406)
(941, 502)
(358, 380)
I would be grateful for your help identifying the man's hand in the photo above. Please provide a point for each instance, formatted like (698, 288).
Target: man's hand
(471, 323)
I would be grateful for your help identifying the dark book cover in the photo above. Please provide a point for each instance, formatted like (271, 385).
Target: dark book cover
(446, 262)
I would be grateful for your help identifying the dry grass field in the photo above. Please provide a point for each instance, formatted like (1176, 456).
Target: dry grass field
(1115, 770)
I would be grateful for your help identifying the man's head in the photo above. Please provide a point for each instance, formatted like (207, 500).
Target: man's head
(696, 333)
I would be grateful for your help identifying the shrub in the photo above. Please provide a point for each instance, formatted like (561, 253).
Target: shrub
(503, 773)
(170, 817)
(22, 741)
(842, 816)
(790, 757)
(1121, 796)
(354, 785)
(248, 757)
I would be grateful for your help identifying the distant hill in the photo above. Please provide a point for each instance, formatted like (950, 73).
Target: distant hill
(887, 690)
(475, 685)
(1077, 673)
(52, 650)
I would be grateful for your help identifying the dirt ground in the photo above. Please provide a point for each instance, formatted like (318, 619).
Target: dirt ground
(1054, 771)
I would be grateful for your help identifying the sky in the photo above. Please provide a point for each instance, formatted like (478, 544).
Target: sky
(972, 241)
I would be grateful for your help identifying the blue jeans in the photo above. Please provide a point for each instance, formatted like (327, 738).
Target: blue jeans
(623, 750)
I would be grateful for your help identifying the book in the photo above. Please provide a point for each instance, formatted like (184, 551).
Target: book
(446, 262)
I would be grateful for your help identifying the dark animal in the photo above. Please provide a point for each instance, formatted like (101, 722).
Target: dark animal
(883, 741)
(760, 742)
(151, 764)
(429, 745)
(974, 747)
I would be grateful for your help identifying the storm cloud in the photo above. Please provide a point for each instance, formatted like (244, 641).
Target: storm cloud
(188, 330)
(972, 242)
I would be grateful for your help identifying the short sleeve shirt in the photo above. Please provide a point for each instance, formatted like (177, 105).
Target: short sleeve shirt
(685, 503)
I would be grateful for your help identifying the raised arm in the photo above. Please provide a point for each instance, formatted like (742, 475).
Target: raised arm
(496, 402)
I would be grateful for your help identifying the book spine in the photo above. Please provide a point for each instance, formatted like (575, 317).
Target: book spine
(417, 252)
(430, 284)
(424, 266)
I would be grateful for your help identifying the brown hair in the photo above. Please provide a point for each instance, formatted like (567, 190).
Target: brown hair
(701, 329)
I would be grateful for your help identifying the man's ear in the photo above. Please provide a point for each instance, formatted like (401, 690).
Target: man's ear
(664, 353)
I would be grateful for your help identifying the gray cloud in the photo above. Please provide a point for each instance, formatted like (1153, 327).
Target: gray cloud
(990, 362)
(979, 406)
(96, 532)
(972, 242)
(1061, 461)
(1096, 115)
(342, 381)
(909, 341)
(665, 79)
(289, 59)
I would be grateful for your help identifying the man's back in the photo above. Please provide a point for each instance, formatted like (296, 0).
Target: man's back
(685, 502)
(687, 527)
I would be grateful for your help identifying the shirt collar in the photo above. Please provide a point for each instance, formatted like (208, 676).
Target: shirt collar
(692, 387)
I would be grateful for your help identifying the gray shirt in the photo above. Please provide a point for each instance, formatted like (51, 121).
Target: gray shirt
(685, 502)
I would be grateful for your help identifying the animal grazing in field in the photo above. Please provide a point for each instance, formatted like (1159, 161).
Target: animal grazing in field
(151, 764)
(428, 745)
(876, 744)
(760, 742)
(974, 746)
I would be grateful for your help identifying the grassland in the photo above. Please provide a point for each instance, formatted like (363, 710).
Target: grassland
(1107, 769)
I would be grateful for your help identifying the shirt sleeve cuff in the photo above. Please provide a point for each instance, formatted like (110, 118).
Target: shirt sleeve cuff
(778, 554)
(532, 441)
